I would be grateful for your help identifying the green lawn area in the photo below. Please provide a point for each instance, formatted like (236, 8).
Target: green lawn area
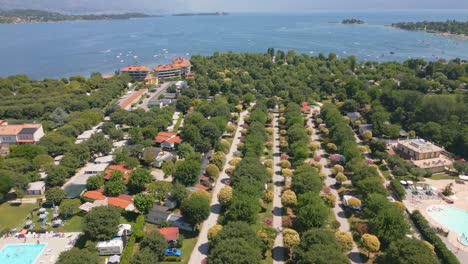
(441, 176)
(73, 224)
(13, 215)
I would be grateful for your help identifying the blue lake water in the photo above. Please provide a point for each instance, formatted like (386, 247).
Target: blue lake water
(82, 47)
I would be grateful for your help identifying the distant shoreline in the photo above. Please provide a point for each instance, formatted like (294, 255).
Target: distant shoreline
(438, 33)
(202, 14)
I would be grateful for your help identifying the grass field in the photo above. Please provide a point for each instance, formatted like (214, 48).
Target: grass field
(13, 215)
(442, 176)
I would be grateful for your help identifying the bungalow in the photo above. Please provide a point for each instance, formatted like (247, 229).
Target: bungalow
(179, 221)
(36, 188)
(170, 233)
(94, 169)
(167, 140)
(162, 157)
(353, 116)
(157, 215)
(126, 172)
(366, 127)
(104, 159)
(123, 201)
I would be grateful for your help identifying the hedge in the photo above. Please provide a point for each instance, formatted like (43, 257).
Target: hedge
(445, 255)
(128, 251)
(138, 227)
(400, 190)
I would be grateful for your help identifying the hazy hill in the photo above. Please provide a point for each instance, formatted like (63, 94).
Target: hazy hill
(95, 6)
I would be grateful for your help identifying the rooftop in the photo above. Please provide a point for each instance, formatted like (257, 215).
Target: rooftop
(164, 136)
(132, 98)
(177, 63)
(420, 145)
(135, 68)
(95, 195)
(13, 130)
(433, 163)
(170, 233)
(36, 185)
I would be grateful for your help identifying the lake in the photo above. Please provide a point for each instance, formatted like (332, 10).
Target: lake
(82, 47)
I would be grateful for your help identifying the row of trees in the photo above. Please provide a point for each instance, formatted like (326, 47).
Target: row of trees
(386, 220)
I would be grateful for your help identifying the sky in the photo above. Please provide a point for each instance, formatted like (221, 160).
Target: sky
(177, 6)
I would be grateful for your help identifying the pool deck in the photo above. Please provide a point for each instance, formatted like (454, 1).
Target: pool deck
(424, 202)
(54, 245)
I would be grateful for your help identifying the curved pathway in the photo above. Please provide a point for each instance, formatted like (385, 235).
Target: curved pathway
(354, 255)
(201, 249)
(279, 250)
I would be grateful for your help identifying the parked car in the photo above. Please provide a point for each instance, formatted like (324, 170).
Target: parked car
(172, 252)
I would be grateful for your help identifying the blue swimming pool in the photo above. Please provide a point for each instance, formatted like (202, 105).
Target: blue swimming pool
(20, 253)
(453, 219)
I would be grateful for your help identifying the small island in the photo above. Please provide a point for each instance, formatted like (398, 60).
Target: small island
(449, 27)
(352, 21)
(17, 16)
(202, 14)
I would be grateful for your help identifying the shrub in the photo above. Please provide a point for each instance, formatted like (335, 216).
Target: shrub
(286, 172)
(267, 196)
(289, 198)
(329, 200)
(345, 239)
(285, 164)
(212, 171)
(430, 235)
(230, 170)
(128, 251)
(400, 190)
(337, 168)
(234, 161)
(268, 163)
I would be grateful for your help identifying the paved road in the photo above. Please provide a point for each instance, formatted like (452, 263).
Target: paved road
(201, 249)
(159, 91)
(354, 255)
(278, 180)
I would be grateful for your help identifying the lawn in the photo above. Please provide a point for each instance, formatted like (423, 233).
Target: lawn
(13, 215)
(441, 176)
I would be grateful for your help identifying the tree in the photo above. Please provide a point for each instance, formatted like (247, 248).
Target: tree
(329, 199)
(138, 179)
(354, 202)
(69, 207)
(41, 162)
(5, 182)
(311, 212)
(225, 196)
(101, 223)
(78, 256)
(218, 159)
(179, 192)
(195, 209)
(56, 176)
(168, 168)
(212, 171)
(55, 195)
(94, 182)
(185, 150)
(214, 231)
(159, 189)
(99, 144)
(319, 246)
(267, 235)
(389, 225)
(183, 103)
(345, 239)
(340, 177)
(144, 256)
(154, 242)
(289, 198)
(306, 182)
(371, 243)
(115, 188)
(234, 250)
(143, 202)
(366, 135)
(285, 164)
(290, 238)
(408, 250)
(187, 172)
(243, 208)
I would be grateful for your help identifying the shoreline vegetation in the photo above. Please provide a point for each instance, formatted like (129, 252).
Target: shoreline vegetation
(202, 14)
(449, 28)
(21, 16)
(352, 21)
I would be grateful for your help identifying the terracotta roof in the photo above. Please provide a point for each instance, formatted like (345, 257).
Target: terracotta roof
(126, 172)
(135, 68)
(125, 197)
(150, 77)
(107, 76)
(190, 75)
(177, 63)
(164, 136)
(25, 141)
(390, 152)
(204, 178)
(177, 140)
(201, 187)
(13, 130)
(132, 98)
(170, 233)
(305, 106)
(117, 202)
(95, 195)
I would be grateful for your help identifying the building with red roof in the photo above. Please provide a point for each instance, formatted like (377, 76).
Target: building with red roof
(95, 195)
(121, 203)
(179, 67)
(126, 103)
(126, 172)
(167, 140)
(137, 72)
(305, 107)
(170, 233)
